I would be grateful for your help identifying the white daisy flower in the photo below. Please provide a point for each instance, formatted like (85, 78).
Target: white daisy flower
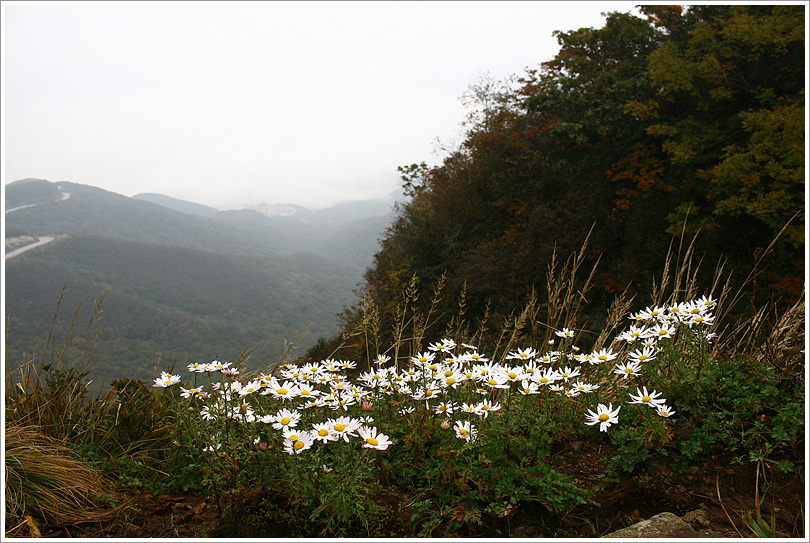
(605, 416)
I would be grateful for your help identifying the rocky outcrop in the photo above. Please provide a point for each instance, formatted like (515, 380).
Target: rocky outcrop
(669, 525)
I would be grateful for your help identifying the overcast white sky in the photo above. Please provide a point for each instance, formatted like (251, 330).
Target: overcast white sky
(228, 104)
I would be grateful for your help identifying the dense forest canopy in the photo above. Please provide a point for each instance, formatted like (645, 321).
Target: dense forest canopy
(683, 122)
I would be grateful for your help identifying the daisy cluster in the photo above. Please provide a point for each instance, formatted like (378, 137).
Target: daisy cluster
(297, 440)
(452, 381)
(302, 384)
(652, 325)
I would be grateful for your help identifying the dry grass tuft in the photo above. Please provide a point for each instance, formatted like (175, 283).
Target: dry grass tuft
(43, 480)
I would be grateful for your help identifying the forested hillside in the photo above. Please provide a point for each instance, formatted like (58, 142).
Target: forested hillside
(93, 211)
(182, 281)
(650, 130)
(347, 232)
(168, 304)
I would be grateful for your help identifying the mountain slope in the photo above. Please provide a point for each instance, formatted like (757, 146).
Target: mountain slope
(182, 206)
(27, 192)
(347, 232)
(170, 304)
(182, 283)
(94, 211)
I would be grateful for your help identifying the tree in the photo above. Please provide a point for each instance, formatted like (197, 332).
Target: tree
(648, 128)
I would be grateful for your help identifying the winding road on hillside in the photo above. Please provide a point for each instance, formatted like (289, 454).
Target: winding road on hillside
(42, 240)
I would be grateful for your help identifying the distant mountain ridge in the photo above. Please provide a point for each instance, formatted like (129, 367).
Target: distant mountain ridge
(184, 280)
(178, 205)
(155, 218)
(344, 211)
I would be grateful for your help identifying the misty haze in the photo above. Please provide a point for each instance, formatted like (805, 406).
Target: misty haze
(181, 281)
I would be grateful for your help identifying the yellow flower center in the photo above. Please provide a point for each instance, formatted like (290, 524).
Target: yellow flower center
(602, 357)
(544, 380)
(448, 373)
(372, 441)
(523, 355)
(298, 445)
(512, 375)
(285, 421)
(643, 357)
(304, 392)
(340, 427)
(294, 437)
(628, 370)
(463, 432)
(323, 432)
(283, 391)
(646, 399)
(603, 417)
(451, 381)
(492, 382)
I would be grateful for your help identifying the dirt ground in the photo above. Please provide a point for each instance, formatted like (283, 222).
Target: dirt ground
(712, 497)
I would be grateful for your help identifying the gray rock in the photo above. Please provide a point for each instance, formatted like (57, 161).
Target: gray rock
(661, 525)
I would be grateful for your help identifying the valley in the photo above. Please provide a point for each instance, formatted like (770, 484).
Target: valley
(175, 281)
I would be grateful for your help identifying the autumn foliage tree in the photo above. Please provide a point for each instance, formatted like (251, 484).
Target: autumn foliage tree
(679, 121)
